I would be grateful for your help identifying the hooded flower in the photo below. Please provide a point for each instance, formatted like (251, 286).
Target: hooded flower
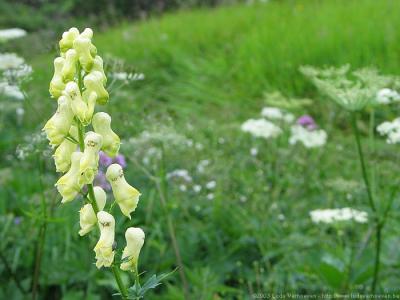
(82, 109)
(94, 83)
(87, 217)
(69, 68)
(104, 247)
(90, 158)
(134, 243)
(57, 84)
(62, 155)
(98, 66)
(68, 185)
(125, 195)
(82, 47)
(102, 125)
(60, 123)
(68, 38)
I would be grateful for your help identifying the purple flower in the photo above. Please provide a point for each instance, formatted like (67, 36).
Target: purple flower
(120, 159)
(17, 220)
(307, 121)
(101, 181)
(104, 159)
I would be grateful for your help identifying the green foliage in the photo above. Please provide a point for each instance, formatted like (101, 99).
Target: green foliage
(207, 71)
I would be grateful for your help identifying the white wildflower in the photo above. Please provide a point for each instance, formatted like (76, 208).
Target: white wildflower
(337, 215)
(10, 61)
(261, 128)
(11, 33)
(309, 138)
(387, 96)
(197, 188)
(11, 91)
(211, 184)
(391, 130)
(210, 196)
(180, 173)
(272, 113)
(202, 165)
(253, 151)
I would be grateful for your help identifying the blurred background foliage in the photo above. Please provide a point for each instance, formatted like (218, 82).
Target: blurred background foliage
(207, 66)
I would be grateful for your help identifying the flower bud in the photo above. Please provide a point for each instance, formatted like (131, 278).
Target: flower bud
(89, 162)
(69, 68)
(68, 185)
(98, 65)
(68, 38)
(104, 247)
(58, 126)
(102, 125)
(80, 108)
(126, 196)
(134, 243)
(82, 47)
(87, 217)
(94, 82)
(62, 155)
(57, 84)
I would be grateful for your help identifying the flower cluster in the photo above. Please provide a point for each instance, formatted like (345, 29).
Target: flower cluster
(78, 85)
(306, 132)
(391, 130)
(353, 90)
(274, 122)
(338, 215)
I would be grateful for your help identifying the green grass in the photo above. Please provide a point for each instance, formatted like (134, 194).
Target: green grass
(206, 72)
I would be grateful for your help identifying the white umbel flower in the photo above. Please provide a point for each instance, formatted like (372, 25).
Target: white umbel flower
(134, 243)
(10, 61)
(387, 96)
(261, 128)
(309, 138)
(391, 130)
(11, 33)
(329, 216)
(272, 113)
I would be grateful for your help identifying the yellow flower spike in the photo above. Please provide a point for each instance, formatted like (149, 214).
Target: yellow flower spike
(134, 243)
(58, 126)
(126, 196)
(68, 185)
(87, 217)
(79, 107)
(102, 125)
(69, 68)
(104, 247)
(62, 155)
(82, 47)
(94, 82)
(57, 84)
(98, 65)
(89, 162)
(68, 38)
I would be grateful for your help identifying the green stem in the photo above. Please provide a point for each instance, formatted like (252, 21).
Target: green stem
(118, 279)
(92, 197)
(378, 224)
(362, 162)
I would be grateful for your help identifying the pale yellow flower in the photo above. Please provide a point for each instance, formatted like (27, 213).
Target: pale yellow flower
(94, 82)
(57, 84)
(102, 125)
(134, 243)
(62, 155)
(58, 126)
(87, 217)
(68, 38)
(68, 185)
(89, 162)
(126, 196)
(82, 47)
(104, 247)
(98, 66)
(82, 109)
(69, 69)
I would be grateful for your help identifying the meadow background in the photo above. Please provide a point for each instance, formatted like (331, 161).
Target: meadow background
(208, 67)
